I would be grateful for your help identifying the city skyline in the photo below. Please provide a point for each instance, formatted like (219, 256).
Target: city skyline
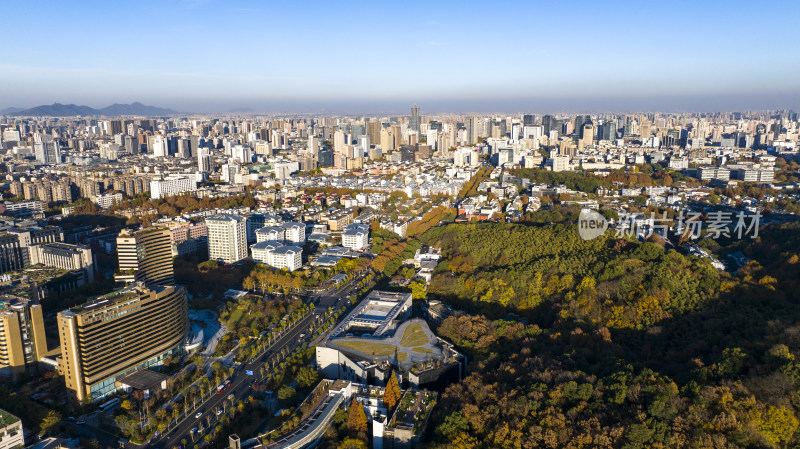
(206, 56)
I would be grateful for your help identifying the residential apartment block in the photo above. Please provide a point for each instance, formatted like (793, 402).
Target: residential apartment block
(227, 238)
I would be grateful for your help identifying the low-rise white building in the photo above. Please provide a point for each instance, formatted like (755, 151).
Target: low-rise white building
(355, 238)
(277, 255)
(295, 232)
(270, 233)
(105, 201)
(288, 257)
(171, 186)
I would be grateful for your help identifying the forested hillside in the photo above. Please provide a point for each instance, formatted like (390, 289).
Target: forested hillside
(617, 343)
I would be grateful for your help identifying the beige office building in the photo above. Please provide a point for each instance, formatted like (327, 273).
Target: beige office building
(22, 338)
(114, 335)
(146, 256)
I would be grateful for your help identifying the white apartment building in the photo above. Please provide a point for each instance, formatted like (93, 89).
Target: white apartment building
(227, 237)
(260, 251)
(355, 237)
(277, 255)
(295, 232)
(274, 233)
(288, 257)
(105, 201)
(204, 160)
(171, 186)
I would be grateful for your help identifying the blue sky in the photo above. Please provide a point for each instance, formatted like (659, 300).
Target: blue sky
(213, 55)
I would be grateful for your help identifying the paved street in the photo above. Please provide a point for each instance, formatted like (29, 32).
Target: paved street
(240, 381)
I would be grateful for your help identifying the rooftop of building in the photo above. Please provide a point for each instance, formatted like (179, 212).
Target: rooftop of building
(268, 229)
(144, 379)
(225, 217)
(266, 244)
(7, 301)
(355, 231)
(38, 273)
(6, 419)
(286, 249)
(413, 342)
(128, 292)
(65, 246)
(377, 312)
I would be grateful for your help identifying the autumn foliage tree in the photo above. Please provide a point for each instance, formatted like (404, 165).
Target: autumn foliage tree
(391, 396)
(356, 419)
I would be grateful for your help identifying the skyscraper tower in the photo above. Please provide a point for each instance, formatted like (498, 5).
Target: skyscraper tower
(527, 120)
(204, 160)
(145, 255)
(415, 119)
(547, 123)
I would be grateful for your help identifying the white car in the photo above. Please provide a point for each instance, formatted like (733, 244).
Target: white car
(198, 415)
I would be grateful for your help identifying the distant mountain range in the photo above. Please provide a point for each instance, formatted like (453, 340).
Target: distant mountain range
(72, 110)
(10, 110)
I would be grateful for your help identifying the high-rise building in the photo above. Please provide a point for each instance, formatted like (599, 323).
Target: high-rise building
(339, 141)
(295, 232)
(587, 134)
(547, 123)
(579, 122)
(204, 160)
(527, 120)
(11, 253)
(608, 130)
(146, 256)
(114, 127)
(47, 152)
(416, 120)
(114, 335)
(227, 238)
(374, 131)
(471, 125)
(22, 337)
(387, 140)
(160, 146)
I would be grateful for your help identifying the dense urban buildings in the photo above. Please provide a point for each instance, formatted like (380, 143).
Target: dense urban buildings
(342, 225)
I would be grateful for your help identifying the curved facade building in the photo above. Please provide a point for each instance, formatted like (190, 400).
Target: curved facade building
(145, 256)
(114, 335)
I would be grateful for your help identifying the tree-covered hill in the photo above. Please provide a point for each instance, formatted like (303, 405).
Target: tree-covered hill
(623, 345)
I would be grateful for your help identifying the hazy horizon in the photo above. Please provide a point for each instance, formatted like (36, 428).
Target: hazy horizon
(663, 104)
(362, 57)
